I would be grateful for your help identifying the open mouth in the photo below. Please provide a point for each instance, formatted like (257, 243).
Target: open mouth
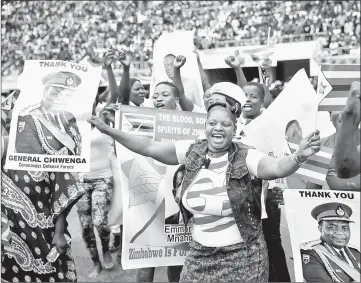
(160, 105)
(218, 137)
(247, 107)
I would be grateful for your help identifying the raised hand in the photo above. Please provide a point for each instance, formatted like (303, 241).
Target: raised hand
(108, 58)
(179, 61)
(124, 58)
(309, 146)
(235, 61)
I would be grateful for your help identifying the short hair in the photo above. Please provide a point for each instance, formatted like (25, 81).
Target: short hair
(218, 105)
(259, 87)
(169, 55)
(180, 169)
(171, 85)
(289, 124)
(133, 80)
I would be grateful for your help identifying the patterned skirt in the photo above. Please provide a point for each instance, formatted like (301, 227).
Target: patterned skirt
(235, 263)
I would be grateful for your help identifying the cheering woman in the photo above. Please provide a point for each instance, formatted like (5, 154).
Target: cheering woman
(228, 243)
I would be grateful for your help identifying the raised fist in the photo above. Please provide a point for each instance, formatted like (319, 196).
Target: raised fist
(179, 61)
(235, 61)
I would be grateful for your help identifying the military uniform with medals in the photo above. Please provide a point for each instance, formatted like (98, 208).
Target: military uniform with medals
(42, 132)
(324, 263)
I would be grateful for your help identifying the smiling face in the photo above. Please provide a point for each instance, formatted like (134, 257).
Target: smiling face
(294, 133)
(55, 98)
(252, 107)
(220, 127)
(209, 98)
(164, 97)
(137, 93)
(335, 233)
(168, 63)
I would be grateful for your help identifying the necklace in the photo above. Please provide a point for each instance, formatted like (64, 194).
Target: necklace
(216, 154)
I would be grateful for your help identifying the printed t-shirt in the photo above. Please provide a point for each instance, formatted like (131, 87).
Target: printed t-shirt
(207, 199)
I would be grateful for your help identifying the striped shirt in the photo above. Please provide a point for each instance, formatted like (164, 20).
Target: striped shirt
(207, 199)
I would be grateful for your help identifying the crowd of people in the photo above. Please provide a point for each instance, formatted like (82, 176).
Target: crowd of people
(252, 250)
(244, 242)
(70, 30)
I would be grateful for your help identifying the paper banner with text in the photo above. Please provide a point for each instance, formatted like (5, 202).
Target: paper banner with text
(49, 131)
(312, 257)
(176, 43)
(147, 188)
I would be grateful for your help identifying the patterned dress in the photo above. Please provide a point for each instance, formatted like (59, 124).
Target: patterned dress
(32, 201)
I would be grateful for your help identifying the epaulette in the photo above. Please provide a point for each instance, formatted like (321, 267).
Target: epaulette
(353, 247)
(27, 110)
(309, 244)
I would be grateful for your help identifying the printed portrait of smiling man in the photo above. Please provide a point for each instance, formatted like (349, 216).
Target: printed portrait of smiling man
(46, 128)
(331, 258)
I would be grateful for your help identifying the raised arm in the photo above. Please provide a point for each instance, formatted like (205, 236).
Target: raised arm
(347, 153)
(206, 82)
(185, 103)
(236, 63)
(109, 57)
(164, 152)
(270, 168)
(124, 86)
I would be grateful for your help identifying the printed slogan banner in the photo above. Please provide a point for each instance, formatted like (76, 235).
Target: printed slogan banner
(152, 233)
(324, 228)
(49, 131)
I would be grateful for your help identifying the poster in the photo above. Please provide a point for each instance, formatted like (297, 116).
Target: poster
(294, 108)
(337, 209)
(147, 188)
(49, 131)
(166, 48)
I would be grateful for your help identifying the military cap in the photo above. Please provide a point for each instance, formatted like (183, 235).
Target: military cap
(65, 80)
(332, 211)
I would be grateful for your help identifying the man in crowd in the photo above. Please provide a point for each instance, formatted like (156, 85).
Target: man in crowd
(46, 128)
(331, 259)
(190, 86)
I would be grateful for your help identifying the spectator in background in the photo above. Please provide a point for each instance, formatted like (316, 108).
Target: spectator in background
(244, 21)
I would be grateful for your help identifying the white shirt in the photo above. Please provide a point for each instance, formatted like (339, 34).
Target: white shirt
(214, 224)
(101, 147)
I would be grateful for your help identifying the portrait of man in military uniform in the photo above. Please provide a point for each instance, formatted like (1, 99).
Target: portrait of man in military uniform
(331, 258)
(46, 128)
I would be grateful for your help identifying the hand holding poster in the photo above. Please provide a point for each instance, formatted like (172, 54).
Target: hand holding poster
(49, 129)
(152, 234)
(324, 229)
(294, 109)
